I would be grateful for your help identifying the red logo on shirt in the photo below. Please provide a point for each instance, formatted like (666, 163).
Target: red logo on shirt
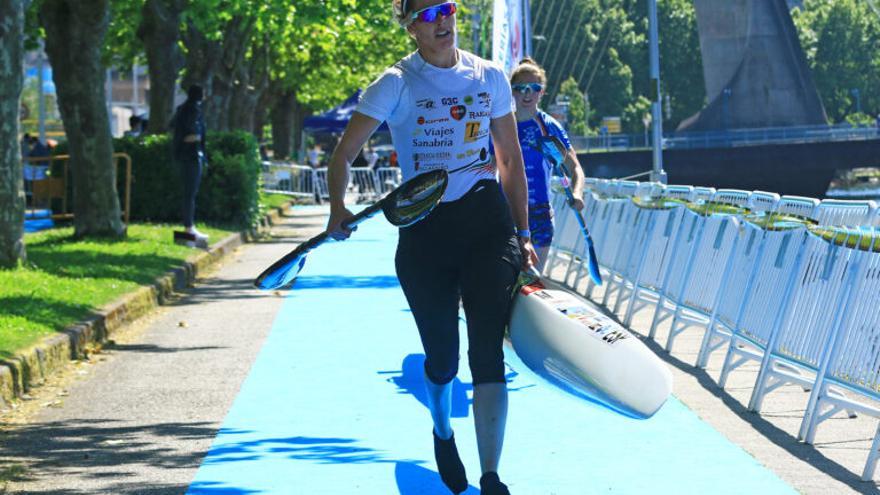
(458, 112)
(421, 121)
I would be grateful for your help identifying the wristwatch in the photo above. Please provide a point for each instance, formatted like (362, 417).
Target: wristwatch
(524, 234)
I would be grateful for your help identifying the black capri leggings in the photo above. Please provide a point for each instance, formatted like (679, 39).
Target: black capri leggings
(191, 172)
(465, 248)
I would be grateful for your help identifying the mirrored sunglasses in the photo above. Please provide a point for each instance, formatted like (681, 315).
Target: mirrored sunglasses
(525, 88)
(430, 14)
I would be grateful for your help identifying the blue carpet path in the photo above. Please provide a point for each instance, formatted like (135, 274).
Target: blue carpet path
(334, 404)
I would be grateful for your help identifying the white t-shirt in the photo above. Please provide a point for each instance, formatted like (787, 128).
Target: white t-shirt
(439, 117)
(371, 157)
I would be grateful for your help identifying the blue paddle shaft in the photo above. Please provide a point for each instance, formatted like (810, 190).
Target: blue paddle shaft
(553, 154)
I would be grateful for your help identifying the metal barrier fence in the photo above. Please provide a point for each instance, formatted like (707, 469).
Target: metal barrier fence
(288, 178)
(789, 282)
(302, 181)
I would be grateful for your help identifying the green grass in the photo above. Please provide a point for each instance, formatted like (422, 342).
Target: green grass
(271, 200)
(64, 280)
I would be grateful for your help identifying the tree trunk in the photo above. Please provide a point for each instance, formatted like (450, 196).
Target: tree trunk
(267, 101)
(75, 32)
(282, 125)
(251, 84)
(11, 193)
(159, 31)
(300, 112)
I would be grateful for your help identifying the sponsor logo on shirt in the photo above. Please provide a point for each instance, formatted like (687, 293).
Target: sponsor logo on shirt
(469, 152)
(449, 100)
(485, 99)
(468, 100)
(473, 131)
(434, 155)
(478, 115)
(428, 166)
(422, 120)
(426, 103)
(432, 143)
(438, 131)
(457, 112)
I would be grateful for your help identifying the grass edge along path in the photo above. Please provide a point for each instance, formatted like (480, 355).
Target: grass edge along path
(23, 366)
(65, 281)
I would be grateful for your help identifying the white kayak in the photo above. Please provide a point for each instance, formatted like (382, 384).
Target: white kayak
(568, 341)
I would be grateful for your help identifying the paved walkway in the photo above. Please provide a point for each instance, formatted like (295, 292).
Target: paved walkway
(319, 391)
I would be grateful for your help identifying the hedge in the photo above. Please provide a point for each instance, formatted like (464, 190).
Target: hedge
(229, 190)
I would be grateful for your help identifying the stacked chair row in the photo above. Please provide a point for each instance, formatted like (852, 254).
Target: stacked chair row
(790, 282)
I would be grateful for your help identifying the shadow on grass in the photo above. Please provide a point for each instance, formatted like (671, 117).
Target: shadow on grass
(47, 312)
(56, 310)
(81, 262)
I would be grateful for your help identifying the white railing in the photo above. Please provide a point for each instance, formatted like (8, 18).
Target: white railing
(288, 178)
(778, 281)
(366, 184)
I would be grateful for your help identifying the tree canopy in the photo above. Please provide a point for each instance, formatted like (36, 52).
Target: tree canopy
(841, 39)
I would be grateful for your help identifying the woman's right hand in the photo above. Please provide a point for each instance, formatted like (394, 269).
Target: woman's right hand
(334, 225)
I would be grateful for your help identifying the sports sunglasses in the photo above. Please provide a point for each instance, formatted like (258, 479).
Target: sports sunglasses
(524, 88)
(430, 14)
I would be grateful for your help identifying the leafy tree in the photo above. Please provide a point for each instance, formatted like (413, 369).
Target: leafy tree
(577, 112)
(12, 199)
(841, 39)
(159, 31)
(603, 45)
(681, 70)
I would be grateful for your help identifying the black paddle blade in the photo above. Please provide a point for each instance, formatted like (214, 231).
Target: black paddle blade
(406, 205)
(552, 148)
(415, 198)
(284, 271)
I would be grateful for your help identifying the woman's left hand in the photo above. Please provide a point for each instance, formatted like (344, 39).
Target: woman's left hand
(530, 257)
(577, 204)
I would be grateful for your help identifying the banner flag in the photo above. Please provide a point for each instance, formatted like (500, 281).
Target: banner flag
(507, 33)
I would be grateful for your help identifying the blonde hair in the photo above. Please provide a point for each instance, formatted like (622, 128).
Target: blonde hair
(399, 9)
(527, 66)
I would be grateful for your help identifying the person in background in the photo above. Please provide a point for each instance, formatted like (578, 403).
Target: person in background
(134, 126)
(25, 145)
(39, 149)
(188, 147)
(441, 103)
(33, 148)
(371, 157)
(313, 156)
(528, 81)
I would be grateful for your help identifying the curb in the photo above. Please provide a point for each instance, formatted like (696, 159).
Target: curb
(31, 366)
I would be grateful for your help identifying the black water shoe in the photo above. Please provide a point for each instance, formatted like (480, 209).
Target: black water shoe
(449, 464)
(490, 484)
